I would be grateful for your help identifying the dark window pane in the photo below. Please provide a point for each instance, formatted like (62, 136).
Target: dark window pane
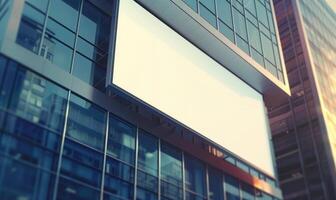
(118, 188)
(21, 181)
(38, 100)
(86, 122)
(69, 190)
(119, 170)
(147, 181)
(148, 154)
(232, 188)
(121, 140)
(30, 30)
(191, 196)
(215, 185)
(145, 195)
(194, 175)
(93, 25)
(171, 165)
(248, 192)
(65, 12)
(56, 30)
(171, 191)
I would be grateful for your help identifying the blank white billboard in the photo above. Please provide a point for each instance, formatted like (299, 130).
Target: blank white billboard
(157, 65)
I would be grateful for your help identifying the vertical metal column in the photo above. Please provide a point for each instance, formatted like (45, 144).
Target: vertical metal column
(159, 169)
(183, 178)
(136, 162)
(61, 147)
(104, 159)
(44, 29)
(207, 181)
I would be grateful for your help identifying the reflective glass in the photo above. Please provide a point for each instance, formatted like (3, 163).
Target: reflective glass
(267, 48)
(93, 25)
(232, 188)
(192, 4)
(70, 190)
(37, 100)
(239, 22)
(148, 154)
(261, 11)
(21, 181)
(121, 140)
(118, 188)
(86, 122)
(254, 36)
(194, 175)
(248, 192)
(209, 4)
(215, 184)
(145, 195)
(56, 30)
(119, 170)
(30, 30)
(250, 6)
(40, 4)
(65, 12)
(208, 15)
(224, 12)
(227, 31)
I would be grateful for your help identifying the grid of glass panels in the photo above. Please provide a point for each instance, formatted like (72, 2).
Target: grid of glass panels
(66, 147)
(248, 24)
(74, 35)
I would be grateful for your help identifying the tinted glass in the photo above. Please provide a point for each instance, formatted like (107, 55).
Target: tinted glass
(194, 175)
(65, 12)
(215, 184)
(232, 188)
(86, 122)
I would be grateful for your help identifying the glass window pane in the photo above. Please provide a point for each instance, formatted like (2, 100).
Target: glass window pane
(209, 4)
(56, 30)
(267, 48)
(231, 188)
(86, 122)
(145, 195)
(93, 25)
(121, 140)
(215, 184)
(250, 6)
(30, 30)
(262, 15)
(65, 12)
(227, 31)
(192, 4)
(171, 165)
(40, 4)
(239, 22)
(248, 192)
(69, 190)
(242, 44)
(254, 36)
(148, 154)
(38, 100)
(118, 188)
(224, 12)
(194, 175)
(57, 52)
(21, 181)
(208, 15)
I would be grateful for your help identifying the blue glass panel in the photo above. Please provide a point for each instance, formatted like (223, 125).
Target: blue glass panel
(192, 4)
(145, 195)
(171, 165)
(248, 192)
(65, 12)
(226, 30)
(86, 122)
(148, 153)
(118, 188)
(194, 175)
(56, 30)
(21, 181)
(7, 84)
(192, 196)
(69, 190)
(28, 152)
(40, 4)
(119, 170)
(239, 22)
(30, 30)
(121, 140)
(93, 25)
(224, 12)
(232, 188)
(250, 6)
(171, 191)
(208, 15)
(147, 181)
(215, 185)
(209, 4)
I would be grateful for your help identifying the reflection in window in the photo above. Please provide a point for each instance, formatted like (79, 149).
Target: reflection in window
(215, 184)
(69, 190)
(65, 12)
(30, 30)
(194, 178)
(231, 188)
(121, 140)
(171, 173)
(248, 192)
(147, 165)
(86, 122)
(81, 163)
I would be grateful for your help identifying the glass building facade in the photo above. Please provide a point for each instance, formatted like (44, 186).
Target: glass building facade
(64, 135)
(248, 24)
(303, 128)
